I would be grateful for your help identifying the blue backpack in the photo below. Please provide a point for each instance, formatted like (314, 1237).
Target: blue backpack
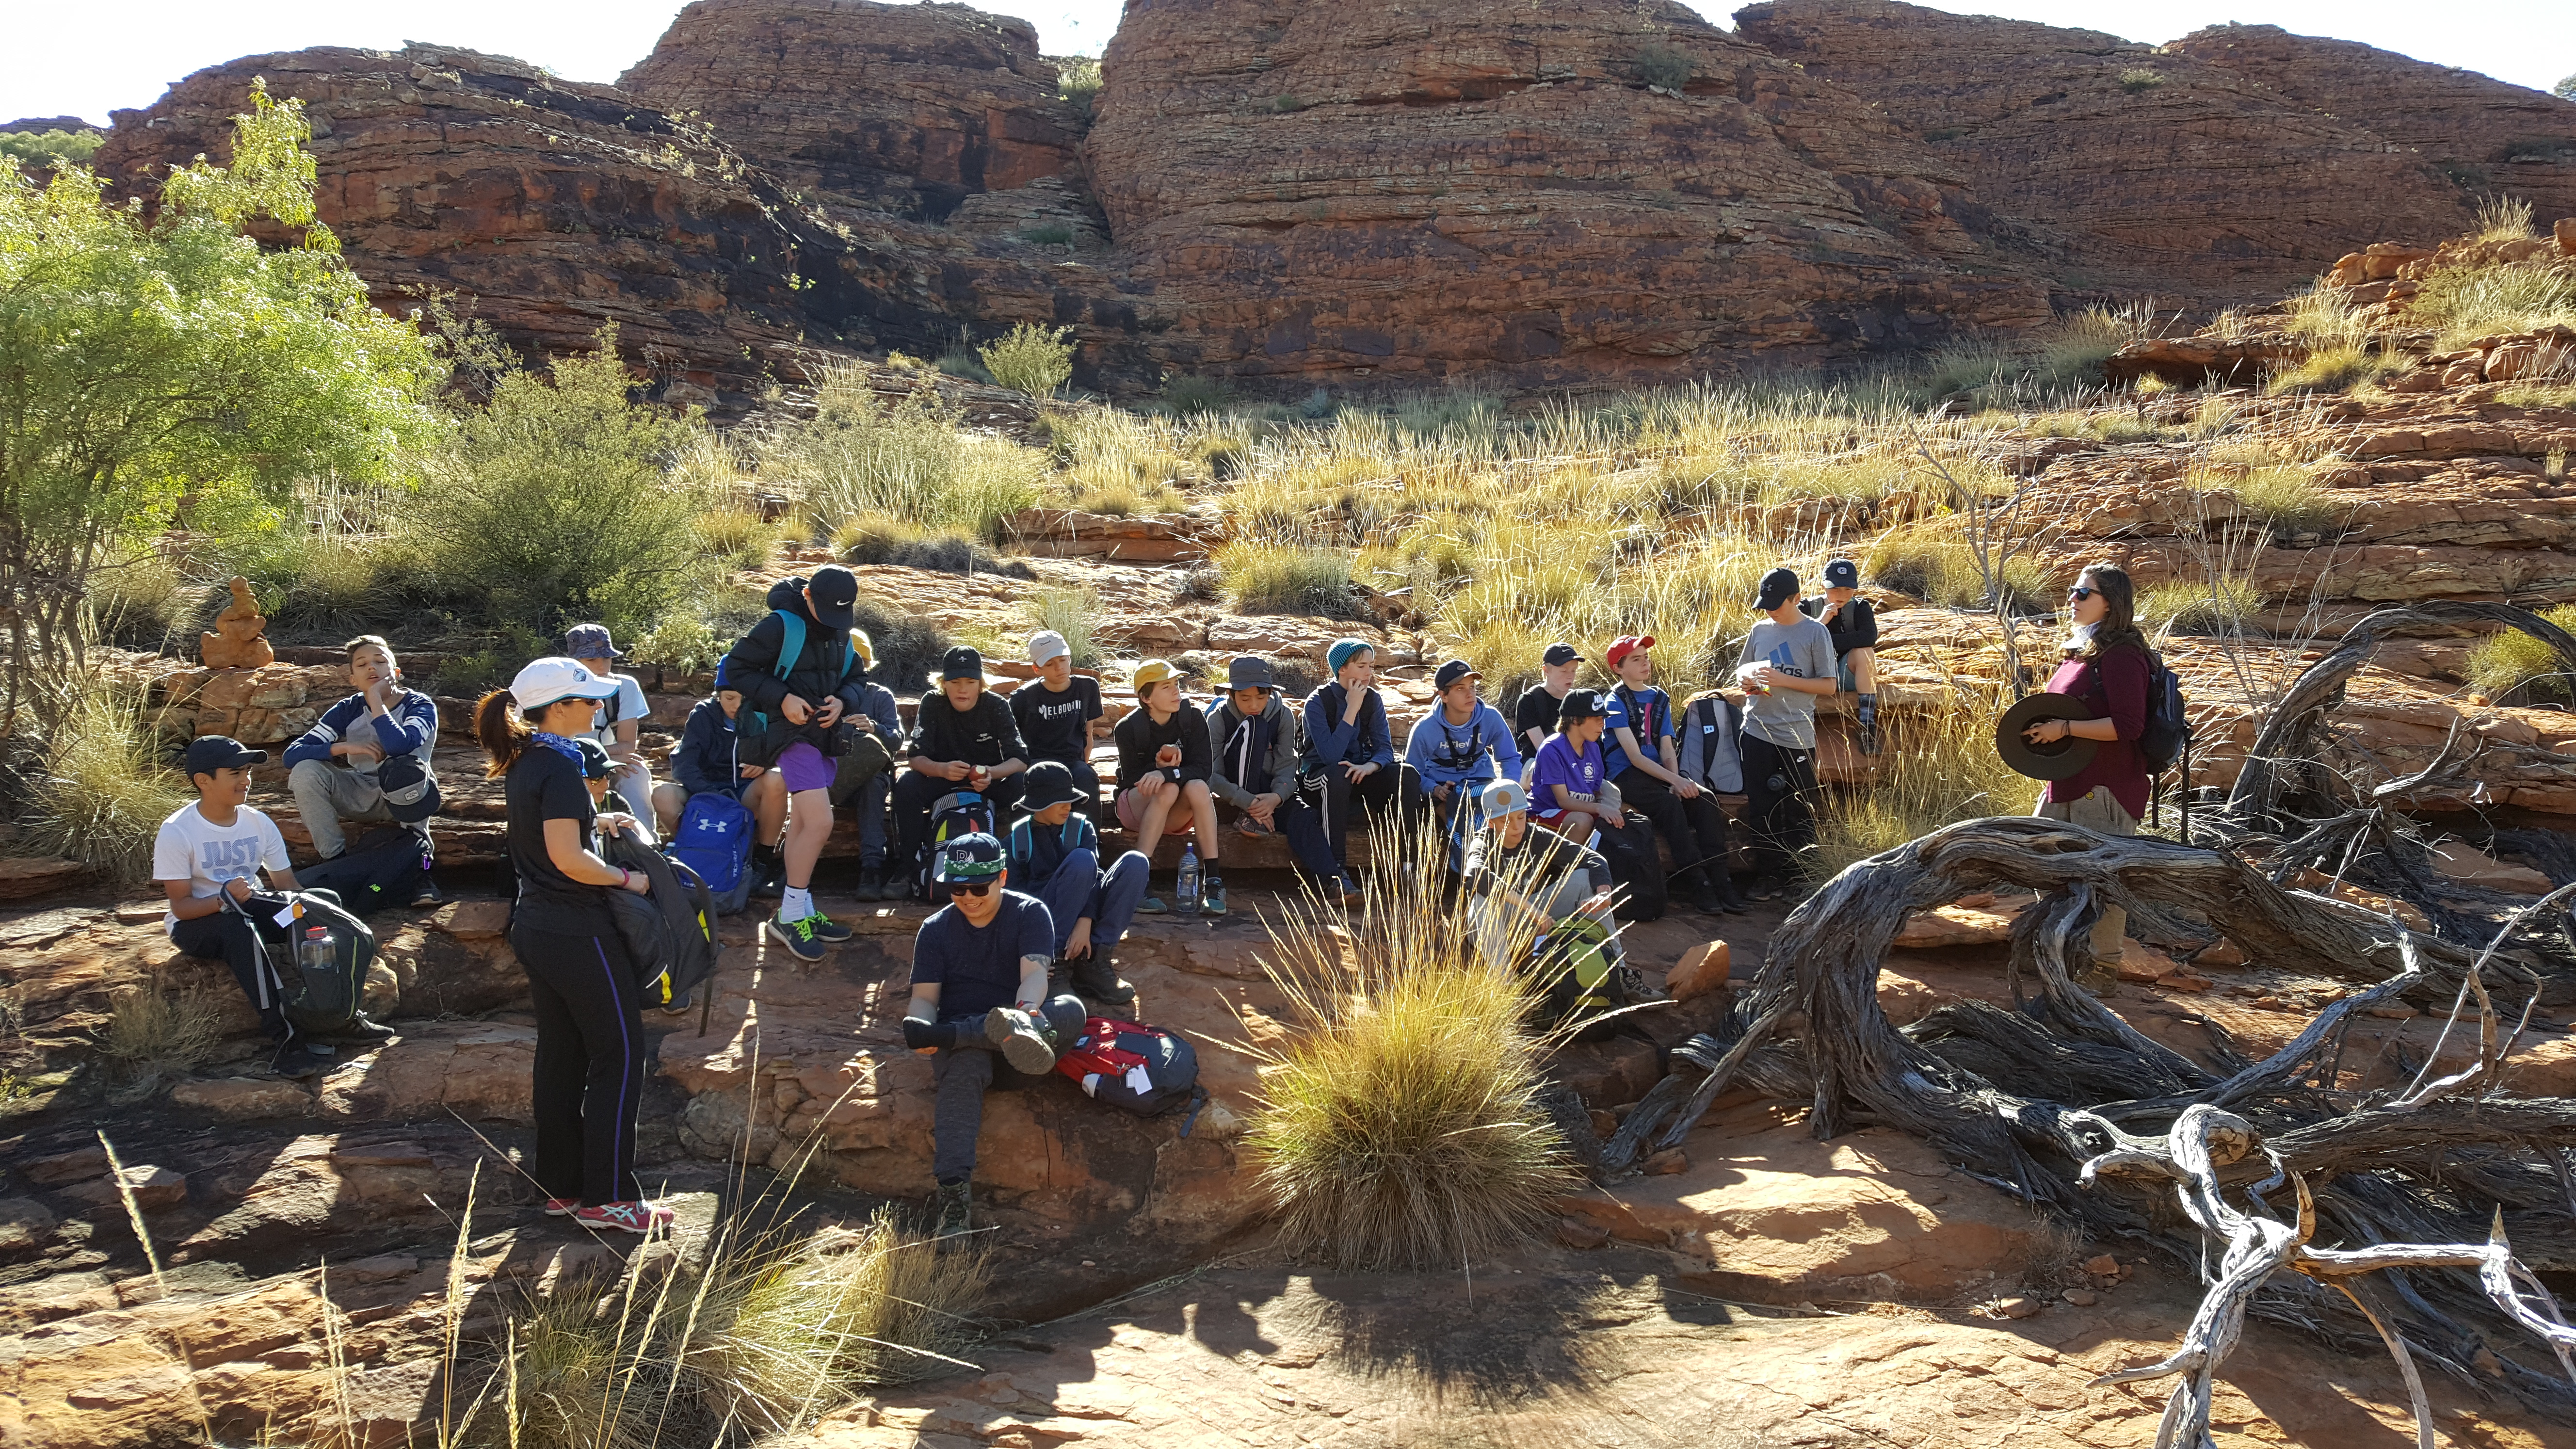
(714, 840)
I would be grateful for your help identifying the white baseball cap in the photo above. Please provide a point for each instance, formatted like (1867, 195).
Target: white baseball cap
(543, 681)
(1047, 644)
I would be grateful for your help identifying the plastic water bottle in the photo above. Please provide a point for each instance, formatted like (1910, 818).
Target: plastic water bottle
(314, 953)
(1189, 883)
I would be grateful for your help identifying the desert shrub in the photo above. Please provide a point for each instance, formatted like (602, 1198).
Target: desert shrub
(733, 540)
(2503, 218)
(907, 545)
(1029, 358)
(1967, 365)
(2073, 348)
(2325, 318)
(47, 149)
(2539, 395)
(97, 787)
(2565, 89)
(1045, 234)
(1935, 767)
(1400, 1127)
(1665, 66)
(1190, 396)
(1078, 82)
(142, 601)
(1072, 613)
(2333, 369)
(2512, 663)
(153, 1035)
(2139, 78)
(908, 647)
(2213, 604)
(1934, 564)
(320, 587)
(468, 674)
(684, 640)
(2463, 304)
(962, 360)
(856, 457)
(1270, 577)
(550, 502)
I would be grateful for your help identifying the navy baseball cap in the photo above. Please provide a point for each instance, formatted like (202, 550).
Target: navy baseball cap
(1561, 653)
(1451, 672)
(1580, 704)
(209, 753)
(1842, 573)
(1778, 587)
(962, 662)
(594, 759)
(591, 641)
(971, 858)
(1249, 671)
(832, 596)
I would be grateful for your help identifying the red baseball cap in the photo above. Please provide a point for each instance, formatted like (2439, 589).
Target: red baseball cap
(1626, 645)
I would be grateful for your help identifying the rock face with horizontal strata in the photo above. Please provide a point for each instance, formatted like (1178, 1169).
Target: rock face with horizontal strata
(2146, 173)
(1432, 188)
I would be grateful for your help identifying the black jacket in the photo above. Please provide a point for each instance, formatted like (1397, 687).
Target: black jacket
(815, 674)
(1854, 625)
(984, 735)
(1139, 738)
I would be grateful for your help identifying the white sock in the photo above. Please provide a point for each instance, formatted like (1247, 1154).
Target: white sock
(796, 905)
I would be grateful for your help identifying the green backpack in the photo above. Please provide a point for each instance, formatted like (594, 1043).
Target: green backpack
(1577, 974)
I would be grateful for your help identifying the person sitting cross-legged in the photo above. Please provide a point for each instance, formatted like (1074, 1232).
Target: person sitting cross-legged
(331, 769)
(1260, 753)
(1456, 748)
(1354, 761)
(1055, 855)
(979, 988)
(1525, 880)
(1163, 766)
(1573, 795)
(1644, 760)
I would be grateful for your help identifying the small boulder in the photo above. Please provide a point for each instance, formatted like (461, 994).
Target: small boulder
(2101, 1264)
(2082, 1297)
(2018, 1307)
(244, 1099)
(2566, 234)
(1700, 972)
(155, 1189)
(1667, 1163)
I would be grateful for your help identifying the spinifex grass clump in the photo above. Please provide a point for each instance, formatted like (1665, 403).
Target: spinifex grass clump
(1400, 1128)
(1938, 766)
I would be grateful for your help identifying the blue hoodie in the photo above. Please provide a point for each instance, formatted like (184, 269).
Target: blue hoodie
(705, 759)
(409, 728)
(1364, 741)
(1447, 754)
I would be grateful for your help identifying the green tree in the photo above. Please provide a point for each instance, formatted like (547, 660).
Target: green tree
(2565, 88)
(148, 354)
(553, 503)
(50, 148)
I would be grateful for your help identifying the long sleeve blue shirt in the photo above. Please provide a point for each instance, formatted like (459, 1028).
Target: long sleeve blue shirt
(1479, 750)
(409, 728)
(1364, 741)
(705, 759)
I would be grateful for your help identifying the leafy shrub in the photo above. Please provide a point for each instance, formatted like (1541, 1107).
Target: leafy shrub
(2565, 89)
(1031, 359)
(2510, 664)
(1665, 66)
(858, 458)
(550, 502)
(100, 788)
(141, 602)
(320, 587)
(469, 674)
(2139, 78)
(1264, 577)
(1072, 613)
(1401, 1127)
(46, 149)
(1078, 82)
(1187, 397)
(683, 640)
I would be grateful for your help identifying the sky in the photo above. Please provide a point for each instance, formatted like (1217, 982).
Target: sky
(62, 59)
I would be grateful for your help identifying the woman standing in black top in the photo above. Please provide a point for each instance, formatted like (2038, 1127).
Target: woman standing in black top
(590, 1042)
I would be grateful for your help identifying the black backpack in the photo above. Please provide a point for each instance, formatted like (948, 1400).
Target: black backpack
(321, 1002)
(2167, 737)
(671, 934)
(957, 813)
(382, 868)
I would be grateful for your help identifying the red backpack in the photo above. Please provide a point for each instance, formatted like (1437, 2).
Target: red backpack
(1144, 1069)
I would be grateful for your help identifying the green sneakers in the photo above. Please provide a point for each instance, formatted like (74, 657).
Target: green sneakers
(806, 939)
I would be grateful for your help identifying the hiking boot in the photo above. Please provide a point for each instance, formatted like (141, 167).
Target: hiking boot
(768, 876)
(828, 931)
(1097, 977)
(297, 1061)
(429, 894)
(797, 936)
(1024, 1040)
(1212, 894)
(871, 886)
(952, 1210)
(1869, 738)
(625, 1217)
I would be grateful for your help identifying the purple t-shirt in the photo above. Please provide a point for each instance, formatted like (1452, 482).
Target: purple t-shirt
(1560, 764)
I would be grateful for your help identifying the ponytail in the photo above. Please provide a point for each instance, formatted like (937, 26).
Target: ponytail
(502, 731)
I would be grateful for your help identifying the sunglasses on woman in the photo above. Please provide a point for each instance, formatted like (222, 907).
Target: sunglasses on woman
(966, 888)
(2079, 593)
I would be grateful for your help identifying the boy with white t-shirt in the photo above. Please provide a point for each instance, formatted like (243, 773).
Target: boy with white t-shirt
(208, 858)
(621, 719)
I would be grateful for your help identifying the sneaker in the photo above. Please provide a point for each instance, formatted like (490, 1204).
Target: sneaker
(562, 1207)
(1026, 1044)
(871, 886)
(1095, 977)
(768, 876)
(1152, 906)
(625, 1217)
(797, 936)
(366, 1029)
(1212, 895)
(952, 1210)
(827, 930)
(1350, 886)
(429, 894)
(298, 1061)
(1246, 825)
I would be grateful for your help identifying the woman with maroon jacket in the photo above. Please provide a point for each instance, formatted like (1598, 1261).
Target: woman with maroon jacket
(2107, 667)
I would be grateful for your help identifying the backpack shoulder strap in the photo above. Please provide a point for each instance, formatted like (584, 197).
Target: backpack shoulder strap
(1022, 838)
(791, 643)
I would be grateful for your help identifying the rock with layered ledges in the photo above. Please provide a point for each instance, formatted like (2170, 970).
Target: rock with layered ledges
(2490, 136)
(2201, 186)
(1444, 187)
(552, 208)
(904, 108)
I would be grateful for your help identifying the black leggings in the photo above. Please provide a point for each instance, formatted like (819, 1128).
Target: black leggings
(226, 936)
(1779, 794)
(590, 1063)
(1695, 830)
(1397, 785)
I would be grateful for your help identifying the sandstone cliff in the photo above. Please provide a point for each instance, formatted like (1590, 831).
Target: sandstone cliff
(2148, 172)
(1586, 191)
(554, 207)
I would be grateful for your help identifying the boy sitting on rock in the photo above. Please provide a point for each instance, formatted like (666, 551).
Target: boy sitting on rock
(1163, 768)
(979, 986)
(331, 769)
(963, 739)
(1055, 855)
(1060, 715)
(1259, 774)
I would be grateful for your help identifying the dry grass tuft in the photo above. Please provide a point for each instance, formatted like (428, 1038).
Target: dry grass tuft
(1936, 767)
(154, 1035)
(2465, 304)
(103, 789)
(1401, 1127)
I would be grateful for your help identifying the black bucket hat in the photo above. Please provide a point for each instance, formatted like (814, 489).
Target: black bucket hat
(2058, 760)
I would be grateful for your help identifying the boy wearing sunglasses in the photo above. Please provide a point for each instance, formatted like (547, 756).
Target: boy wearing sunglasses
(979, 986)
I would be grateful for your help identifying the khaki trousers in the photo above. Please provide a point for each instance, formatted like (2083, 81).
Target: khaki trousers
(2100, 812)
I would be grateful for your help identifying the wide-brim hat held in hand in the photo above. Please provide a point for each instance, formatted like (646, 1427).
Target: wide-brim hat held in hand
(2057, 760)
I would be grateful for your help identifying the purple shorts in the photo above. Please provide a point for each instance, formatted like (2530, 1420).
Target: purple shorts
(803, 768)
